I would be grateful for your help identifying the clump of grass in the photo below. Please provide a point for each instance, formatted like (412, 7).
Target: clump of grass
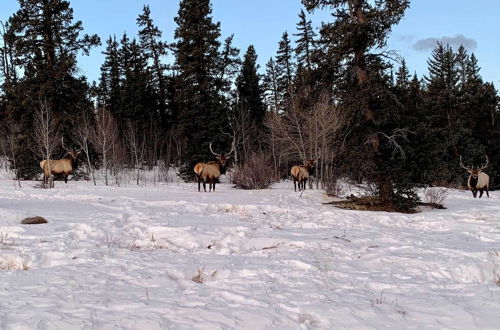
(5, 240)
(199, 277)
(13, 263)
(34, 220)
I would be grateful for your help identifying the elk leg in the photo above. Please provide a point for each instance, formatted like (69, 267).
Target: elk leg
(199, 184)
(487, 193)
(295, 184)
(474, 193)
(214, 185)
(480, 193)
(65, 178)
(305, 182)
(205, 186)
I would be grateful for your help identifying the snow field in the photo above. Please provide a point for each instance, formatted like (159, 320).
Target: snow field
(169, 257)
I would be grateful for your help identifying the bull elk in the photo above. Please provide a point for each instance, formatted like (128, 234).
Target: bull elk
(63, 166)
(210, 172)
(300, 173)
(478, 180)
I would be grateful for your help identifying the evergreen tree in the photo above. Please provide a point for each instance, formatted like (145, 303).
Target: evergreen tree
(270, 83)
(153, 50)
(250, 100)
(45, 41)
(284, 68)
(365, 91)
(201, 109)
(442, 100)
(403, 76)
(462, 58)
(228, 64)
(305, 41)
(248, 87)
(109, 95)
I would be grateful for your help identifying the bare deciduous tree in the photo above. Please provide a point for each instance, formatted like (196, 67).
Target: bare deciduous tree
(46, 137)
(83, 133)
(137, 149)
(308, 132)
(105, 139)
(9, 145)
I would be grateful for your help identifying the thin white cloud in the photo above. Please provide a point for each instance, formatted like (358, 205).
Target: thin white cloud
(405, 38)
(455, 42)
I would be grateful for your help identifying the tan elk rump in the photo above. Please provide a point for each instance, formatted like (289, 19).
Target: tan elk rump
(301, 173)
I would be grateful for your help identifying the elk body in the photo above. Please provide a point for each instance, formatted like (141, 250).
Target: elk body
(210, 172)
(478, 180)
(64, 166)
(300, 174)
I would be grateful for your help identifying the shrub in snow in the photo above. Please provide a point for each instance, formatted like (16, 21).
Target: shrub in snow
(257, 173)
(435, 196)
(34, 220)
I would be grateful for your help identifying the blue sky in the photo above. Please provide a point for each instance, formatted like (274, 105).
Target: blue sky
(262, 22)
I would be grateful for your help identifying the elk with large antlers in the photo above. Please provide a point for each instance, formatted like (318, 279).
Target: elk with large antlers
(478, 180)
(210, 172)
(300, 173)
(63, 166)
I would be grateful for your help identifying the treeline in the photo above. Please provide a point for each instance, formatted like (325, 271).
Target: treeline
(333, 94)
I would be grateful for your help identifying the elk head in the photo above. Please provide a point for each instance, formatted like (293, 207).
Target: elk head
(222, 158)
(73, 154)
(474, 172)
(311, 166)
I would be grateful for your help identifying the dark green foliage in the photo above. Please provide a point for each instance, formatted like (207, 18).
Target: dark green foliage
(305, 42)
(284, 69)
(43, 41)
(153, 50)
(249, 100)
(377, 141)
(201, 115)
(401, 131)
(459, 111)
(270, 85)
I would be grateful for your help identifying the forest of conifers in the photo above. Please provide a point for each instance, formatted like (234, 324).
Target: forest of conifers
(334, 94)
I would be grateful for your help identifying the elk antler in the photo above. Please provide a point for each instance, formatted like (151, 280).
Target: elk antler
(232, 149)
(462, 165)
(210, 146)
(62, 144)
(484, 166)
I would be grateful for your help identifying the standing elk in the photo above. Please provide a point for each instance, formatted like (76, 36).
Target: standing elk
(63, 166)
(301, 173)
(210, 172)
(478, 180)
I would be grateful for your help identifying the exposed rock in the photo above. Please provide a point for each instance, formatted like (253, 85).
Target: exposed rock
(34, 220)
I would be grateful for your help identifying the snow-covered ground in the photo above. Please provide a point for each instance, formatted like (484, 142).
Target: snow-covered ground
(169, 257)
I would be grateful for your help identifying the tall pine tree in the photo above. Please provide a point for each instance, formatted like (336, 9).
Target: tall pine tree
(45, 41)
(250, 101)
(365, 92)
(202, 112)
